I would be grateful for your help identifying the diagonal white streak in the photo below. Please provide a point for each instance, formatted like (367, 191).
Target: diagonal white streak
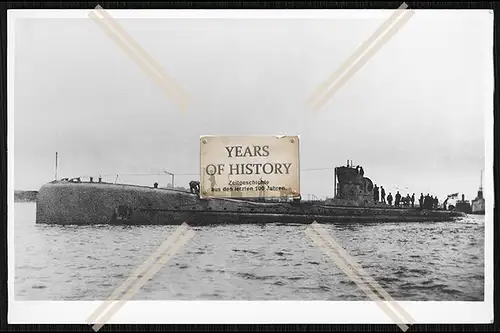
(362, 54)
(147, 276)
(355, 278)
(359, 51)
(363, 60)
(169, 245)
(329, 238)
(354, 271)
(136, 46)
(165, 246)
(142, 59)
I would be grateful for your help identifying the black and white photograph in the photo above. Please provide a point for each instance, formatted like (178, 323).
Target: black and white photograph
(174, 159)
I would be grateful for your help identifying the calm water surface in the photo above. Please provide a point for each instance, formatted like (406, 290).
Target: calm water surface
(412, 261)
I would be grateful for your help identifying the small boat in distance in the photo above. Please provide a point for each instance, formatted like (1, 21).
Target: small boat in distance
(463, 206)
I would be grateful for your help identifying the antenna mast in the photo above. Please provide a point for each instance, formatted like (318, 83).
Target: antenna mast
(56, 167)
(481, 181)
(335, 182)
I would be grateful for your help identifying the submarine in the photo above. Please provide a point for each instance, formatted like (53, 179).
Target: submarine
(79, 202)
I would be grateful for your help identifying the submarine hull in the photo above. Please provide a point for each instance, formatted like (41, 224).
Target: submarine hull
(67, 203)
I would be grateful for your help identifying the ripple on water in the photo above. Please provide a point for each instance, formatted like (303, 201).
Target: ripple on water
(39, 286)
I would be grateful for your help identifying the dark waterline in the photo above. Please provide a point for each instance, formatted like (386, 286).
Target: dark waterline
(441, 261)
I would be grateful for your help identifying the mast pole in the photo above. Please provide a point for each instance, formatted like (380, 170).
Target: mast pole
(171, 175)
(56, 168)
(334, 182)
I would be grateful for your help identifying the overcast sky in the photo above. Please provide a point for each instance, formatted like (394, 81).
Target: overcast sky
(413, 116)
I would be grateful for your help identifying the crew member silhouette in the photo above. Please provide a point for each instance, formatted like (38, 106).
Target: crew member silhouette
(375, 193)
(398, 199)
(407, 200)
(389, 199)
(194, 186)
(382, 193)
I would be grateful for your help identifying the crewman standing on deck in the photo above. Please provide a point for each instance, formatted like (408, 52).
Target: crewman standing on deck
(375, 193)
(398, 199)
(382, 193)
(389, 199)
(427, 200)
(413, 200)
(194, 187)
(444, 203)
(421, 201)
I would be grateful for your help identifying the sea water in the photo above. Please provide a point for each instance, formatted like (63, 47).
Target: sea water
(439, 261)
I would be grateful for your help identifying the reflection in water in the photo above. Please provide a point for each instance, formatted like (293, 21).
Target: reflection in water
(412, 261)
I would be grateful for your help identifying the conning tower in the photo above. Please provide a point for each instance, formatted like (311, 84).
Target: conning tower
(352, 185)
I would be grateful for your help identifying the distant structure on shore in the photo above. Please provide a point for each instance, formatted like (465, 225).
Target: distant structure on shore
(25, 196)
(478, 203)
(463, 205)
(476, 206)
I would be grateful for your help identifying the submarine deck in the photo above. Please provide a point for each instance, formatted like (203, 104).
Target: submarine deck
(84, 203)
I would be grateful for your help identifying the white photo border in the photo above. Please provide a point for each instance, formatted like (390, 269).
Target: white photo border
(247, 312)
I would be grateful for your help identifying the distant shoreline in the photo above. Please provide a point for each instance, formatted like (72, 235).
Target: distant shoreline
(25, 196)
